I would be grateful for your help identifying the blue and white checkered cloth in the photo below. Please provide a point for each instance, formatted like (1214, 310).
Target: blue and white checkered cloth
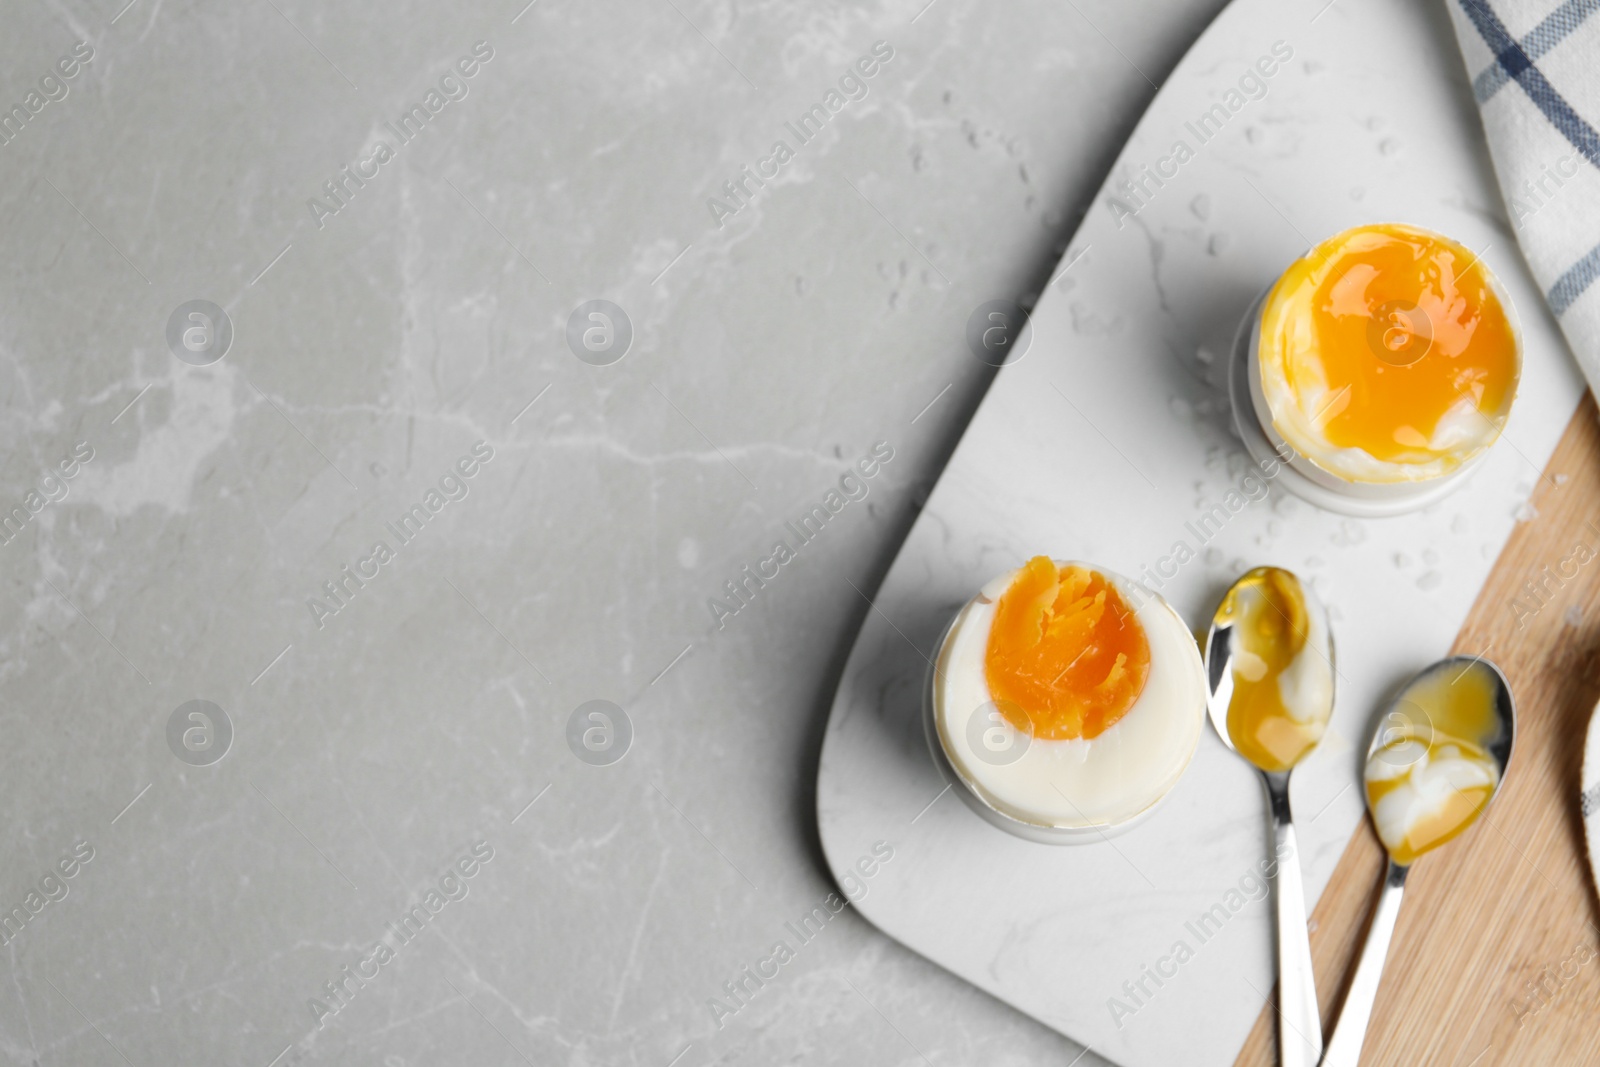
(1535, 67)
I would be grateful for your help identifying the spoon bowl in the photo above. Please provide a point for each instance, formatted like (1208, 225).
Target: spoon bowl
(1224, 641)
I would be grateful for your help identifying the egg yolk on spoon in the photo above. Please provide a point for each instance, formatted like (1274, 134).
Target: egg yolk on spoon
(1066, 657)
(1392, 340)
(1434, 774)
(1282, 683)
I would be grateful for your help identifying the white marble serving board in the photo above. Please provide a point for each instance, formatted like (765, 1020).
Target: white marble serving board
(1371, 119)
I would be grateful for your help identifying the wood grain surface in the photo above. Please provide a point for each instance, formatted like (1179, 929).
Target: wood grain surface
(1496, 958)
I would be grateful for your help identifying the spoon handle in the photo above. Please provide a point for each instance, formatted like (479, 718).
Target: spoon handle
(1299, 1023)
(1344, 1048)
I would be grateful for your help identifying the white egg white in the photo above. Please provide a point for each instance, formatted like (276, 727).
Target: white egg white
(1461, 435)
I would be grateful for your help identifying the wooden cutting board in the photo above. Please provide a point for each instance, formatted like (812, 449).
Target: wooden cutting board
(1510, 905)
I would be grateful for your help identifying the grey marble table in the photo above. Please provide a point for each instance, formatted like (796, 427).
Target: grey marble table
(330, 503)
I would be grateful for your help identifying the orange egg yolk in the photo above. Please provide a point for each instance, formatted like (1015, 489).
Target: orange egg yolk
(1398, 326)
(1066, 656)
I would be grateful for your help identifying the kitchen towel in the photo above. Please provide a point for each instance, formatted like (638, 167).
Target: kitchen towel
(1535, 69)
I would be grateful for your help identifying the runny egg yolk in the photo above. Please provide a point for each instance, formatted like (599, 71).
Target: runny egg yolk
(1066, 656)
(1382, 331)
(1271, 631)
(1434, 774)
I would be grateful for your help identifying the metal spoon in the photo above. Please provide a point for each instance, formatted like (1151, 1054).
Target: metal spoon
(1401, 720)
(1300, 1025)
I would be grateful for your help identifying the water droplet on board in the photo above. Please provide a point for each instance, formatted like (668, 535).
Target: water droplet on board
(1349, 533)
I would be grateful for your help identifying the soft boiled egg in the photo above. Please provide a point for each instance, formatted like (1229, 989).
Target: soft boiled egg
(1066, 696)
(1433, 773)
(1388, 354)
